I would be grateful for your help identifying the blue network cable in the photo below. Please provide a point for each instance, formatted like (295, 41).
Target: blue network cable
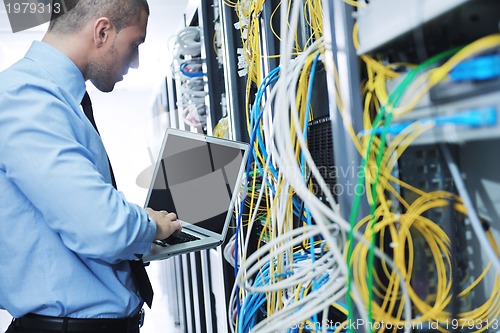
(190, 74)
(302, 163)
(247, 318)
(271, 77)
(479, 117)
(256, 113)
(308, 102)
(255, 125)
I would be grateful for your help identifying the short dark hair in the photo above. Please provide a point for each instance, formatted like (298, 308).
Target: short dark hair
(122, 13)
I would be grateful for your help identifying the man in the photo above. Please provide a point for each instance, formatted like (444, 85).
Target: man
(67, 236)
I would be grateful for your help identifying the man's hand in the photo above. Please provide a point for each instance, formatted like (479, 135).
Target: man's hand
(166, 223)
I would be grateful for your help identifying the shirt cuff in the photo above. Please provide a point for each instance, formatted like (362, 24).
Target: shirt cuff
(145, 246)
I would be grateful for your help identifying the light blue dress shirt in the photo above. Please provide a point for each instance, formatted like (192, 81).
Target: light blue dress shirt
(65, 232)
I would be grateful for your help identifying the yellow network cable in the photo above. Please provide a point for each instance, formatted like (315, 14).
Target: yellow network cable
(230, 3)
(274, 300)
(352, 2)
(400, 225)
(221, 130)
(402, 233)
(313, 16)
(436, 255)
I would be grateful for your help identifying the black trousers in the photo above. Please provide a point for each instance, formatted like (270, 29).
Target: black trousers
(41, 324)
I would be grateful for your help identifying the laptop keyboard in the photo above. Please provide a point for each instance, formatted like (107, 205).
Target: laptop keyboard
(182, 237)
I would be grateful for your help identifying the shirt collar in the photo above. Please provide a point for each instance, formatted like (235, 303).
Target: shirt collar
(62, 69)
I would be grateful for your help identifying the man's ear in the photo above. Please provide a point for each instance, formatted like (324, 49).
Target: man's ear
(103, 31)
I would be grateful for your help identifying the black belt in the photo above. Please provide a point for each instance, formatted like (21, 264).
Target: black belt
(92, 325)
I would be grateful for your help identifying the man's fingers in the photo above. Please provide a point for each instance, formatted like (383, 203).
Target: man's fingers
(172, 216)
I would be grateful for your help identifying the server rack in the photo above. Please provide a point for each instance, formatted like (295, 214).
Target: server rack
(198, 301)
(418, 31)
(390, 31)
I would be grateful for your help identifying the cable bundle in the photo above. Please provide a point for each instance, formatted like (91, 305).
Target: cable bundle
(188, 69)
(309, 262)
(396, 226)
(188, 43)
(273, 281)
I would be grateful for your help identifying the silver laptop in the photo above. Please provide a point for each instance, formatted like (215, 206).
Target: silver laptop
(198, 177)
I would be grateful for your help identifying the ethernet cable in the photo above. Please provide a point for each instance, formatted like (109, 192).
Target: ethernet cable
(278, 122)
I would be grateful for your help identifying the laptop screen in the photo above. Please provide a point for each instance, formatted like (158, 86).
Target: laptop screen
(195, 177)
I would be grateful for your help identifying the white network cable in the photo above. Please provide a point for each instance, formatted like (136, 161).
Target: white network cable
(282, 150)
(187, 52)
(188, 42)
(276, 129)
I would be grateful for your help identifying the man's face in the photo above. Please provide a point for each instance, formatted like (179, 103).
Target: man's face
(123, 53)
